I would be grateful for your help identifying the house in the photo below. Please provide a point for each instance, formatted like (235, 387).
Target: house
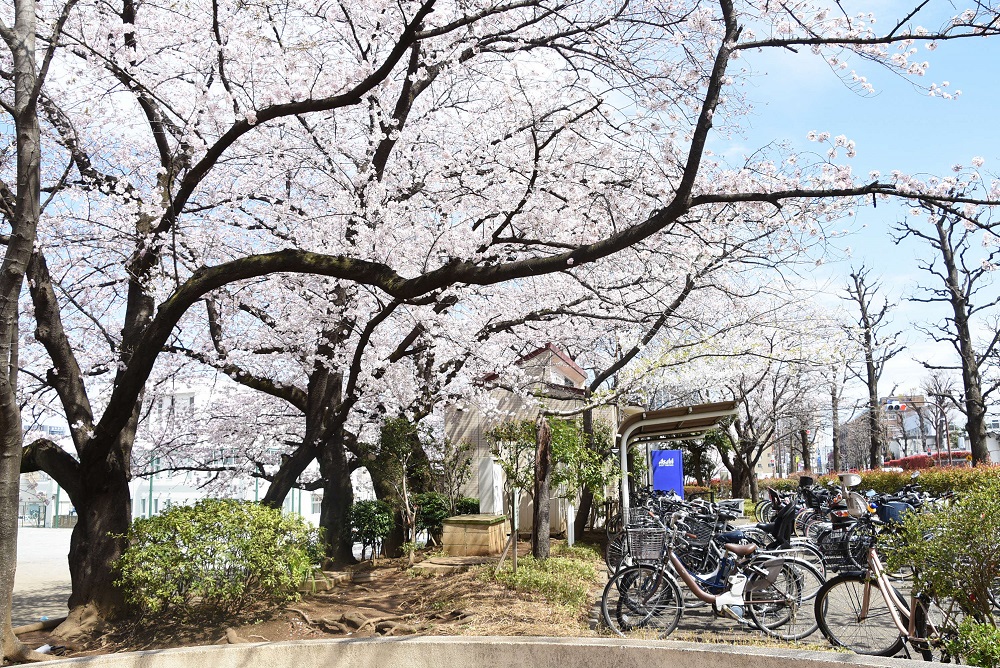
(552, 376)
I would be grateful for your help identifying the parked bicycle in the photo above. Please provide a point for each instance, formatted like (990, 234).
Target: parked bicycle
(772, 593)
(863, 612)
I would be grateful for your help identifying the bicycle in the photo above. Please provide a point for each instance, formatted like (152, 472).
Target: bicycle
(863, 612)
(775, 592)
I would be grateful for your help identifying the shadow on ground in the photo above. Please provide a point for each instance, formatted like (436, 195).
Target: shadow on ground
(48, 601)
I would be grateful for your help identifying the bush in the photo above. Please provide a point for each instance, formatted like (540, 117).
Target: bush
(977, 644)
(955, 552)
(216, 558)
(432, 509)
(936, 480)
(467, 506)
(371, 521)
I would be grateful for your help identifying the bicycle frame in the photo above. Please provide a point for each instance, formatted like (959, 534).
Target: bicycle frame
(892, 599)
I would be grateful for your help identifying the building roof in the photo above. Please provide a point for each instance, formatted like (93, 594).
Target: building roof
(677, 423)
(561, 354)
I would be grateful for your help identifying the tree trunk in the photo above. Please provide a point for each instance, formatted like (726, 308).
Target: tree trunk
(383, 482)
(806, 455)
(960, 289)
(587, 495)
(835, 406)
(335, 512)
(104, 512)
(540, 526)
(23, 221)
(583, 512)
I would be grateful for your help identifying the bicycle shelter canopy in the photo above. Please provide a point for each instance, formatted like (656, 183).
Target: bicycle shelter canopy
(665, 425)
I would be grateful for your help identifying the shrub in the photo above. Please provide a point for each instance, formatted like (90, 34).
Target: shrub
(961, 540)
(432, 509)
(217, 558)
(371, 521)
(467, 506)
(977, 644)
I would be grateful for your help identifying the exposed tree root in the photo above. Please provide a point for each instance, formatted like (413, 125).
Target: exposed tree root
(16, 651)
(83, 622)
(39, 626)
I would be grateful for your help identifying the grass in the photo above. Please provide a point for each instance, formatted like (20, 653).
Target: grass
(564, 580)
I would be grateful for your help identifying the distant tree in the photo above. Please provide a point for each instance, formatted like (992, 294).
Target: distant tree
(878, 345)
(963, 270)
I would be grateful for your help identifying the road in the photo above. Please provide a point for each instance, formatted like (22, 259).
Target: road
(41, 584)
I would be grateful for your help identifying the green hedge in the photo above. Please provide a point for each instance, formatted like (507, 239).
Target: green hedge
(467, 505)
(217, 558)
(936, 480)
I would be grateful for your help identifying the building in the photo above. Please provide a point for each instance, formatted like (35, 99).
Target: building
(157, 483)
(552, 376)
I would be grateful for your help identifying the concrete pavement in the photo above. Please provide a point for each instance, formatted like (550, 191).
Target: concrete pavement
(41, 584)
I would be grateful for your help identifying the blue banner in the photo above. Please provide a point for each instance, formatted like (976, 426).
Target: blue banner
(668, 471)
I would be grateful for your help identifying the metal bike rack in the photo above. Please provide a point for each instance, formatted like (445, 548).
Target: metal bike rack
(665, 425)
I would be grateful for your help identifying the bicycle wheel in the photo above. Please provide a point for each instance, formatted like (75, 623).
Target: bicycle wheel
(763, 512)
(839, 613)
(806, 551)
(642, 600)
(616, 551)
(779, 597)
(801, 519)
(857, 540)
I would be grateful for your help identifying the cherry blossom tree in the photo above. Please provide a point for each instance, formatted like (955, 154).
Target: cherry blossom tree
(403, 147)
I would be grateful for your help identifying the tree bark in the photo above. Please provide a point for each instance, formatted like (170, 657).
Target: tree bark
(540, 526)
(835, 419)
(587, 494)
(23, 220)
(335, 512)
(806, 455)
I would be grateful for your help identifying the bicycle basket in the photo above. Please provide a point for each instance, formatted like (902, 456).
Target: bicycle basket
(857, 505)
(646, 543)
(891, 512)
(640, 517)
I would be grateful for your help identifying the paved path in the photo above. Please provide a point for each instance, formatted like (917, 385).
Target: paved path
(41, 584)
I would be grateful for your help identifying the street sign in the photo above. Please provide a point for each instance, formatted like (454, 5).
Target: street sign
(668, 471)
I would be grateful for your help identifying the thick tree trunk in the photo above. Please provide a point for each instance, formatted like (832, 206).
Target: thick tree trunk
(104, 512)
(335, 512)
(540, 527)
(23, 221)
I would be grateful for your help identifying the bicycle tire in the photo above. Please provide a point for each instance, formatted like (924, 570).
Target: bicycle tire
(779, 597)
(763, 512)
(857, 540)
(801, 518)
(809, 553)
(642, 599)
(838, 607)
(615, 552)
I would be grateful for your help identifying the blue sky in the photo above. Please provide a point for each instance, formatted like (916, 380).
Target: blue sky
(900, 127)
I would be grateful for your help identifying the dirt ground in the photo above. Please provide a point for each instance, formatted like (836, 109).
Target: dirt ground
(385, 598)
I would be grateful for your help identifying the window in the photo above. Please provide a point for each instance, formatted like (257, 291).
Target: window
(317, 505)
